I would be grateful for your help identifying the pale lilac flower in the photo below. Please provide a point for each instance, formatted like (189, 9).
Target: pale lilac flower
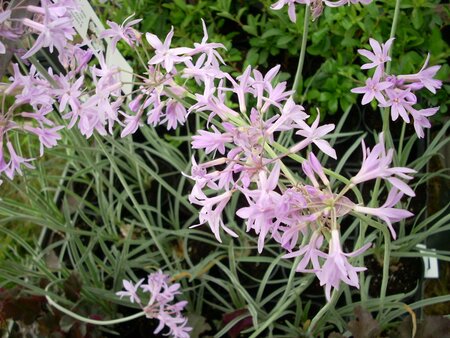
(242, 87)
(400, 101)
(4, 15)
(373, 89)
(260, 83)
(314, 134)
(290, 113)
(211, 141)
(123, 32)
(48, 137)
(310, 252)
(132, 123)
(379, 56)
(420, 119)
(15, 161)
(131, 291)
(164, 54)
(276, 95)
(387, 212)
(291, 7)
(424, 78)
(68, 93)
(54, 31)
(337, 268)
(313, 165)
(159, 306)
(264, 205)
(175, 114)
(376, 164)
(208, 49)
(211, 212)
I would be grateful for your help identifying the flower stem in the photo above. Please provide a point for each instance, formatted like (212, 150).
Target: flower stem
(92, 321)
(324, 310)
(301, 60)
(385, 111)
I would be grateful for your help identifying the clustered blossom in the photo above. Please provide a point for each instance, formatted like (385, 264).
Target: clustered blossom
(397, 92)
(278, 207)
(160, 304)
(316, 6)
(159, 96)
(35, 95)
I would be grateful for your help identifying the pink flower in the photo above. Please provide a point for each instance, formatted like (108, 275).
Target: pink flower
(264, 205)
(4, 15)
(420, 119)
(15, 161)
(291, 7)
(387, 212)
(373, 89)
(310, 252)
(241, 88)
(175, 114)
(208, 49)
(131, 291)
(400, 101)
(290, 113)
(311, 166)
(376, 164)
(163, 54)
(424, 78)
(54, 31)
(123, 32)
(337, 268)
(379, 56)
(159, 306)
(211, 212)
(48, 137)
(314, 135)
(211, 141)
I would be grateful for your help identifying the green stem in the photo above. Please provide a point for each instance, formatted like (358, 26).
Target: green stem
(393, 31)
(399, 156)
(385, 111)
(279, 310)
(386, 263)
(301, 60)
(323, 311)
(92, 321)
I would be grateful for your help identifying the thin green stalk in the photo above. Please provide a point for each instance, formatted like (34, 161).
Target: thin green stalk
(279, 310)
(301, 60)
(393, 31)
(92, 321)
(390, 144)
(384, 281)
(324, 310)
(385, 111)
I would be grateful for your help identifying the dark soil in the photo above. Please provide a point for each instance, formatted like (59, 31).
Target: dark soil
(403, 275)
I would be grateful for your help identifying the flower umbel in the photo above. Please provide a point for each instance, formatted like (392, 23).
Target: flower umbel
(160, 306)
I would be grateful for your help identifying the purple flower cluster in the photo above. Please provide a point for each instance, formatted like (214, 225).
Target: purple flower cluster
(280, 206)
(35, 95)
(159, 96)
(160, 304)
(397, 91)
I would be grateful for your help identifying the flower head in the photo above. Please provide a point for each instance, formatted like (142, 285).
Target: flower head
(380, 54)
